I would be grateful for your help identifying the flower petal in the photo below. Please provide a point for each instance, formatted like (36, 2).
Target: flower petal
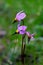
(28, 33)
(22, 28)
(22, 32)
(21, 15)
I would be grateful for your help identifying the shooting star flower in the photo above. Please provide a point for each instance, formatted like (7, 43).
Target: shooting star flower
(19, 16)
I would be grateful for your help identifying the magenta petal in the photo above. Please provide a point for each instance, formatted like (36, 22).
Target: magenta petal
(18, 18)
(28, 33)
(32, 35)
(21, 15)
(22, 32)
(22, 28)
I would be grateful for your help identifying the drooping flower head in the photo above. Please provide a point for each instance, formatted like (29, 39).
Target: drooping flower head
(20, 16)
(21, 29)
(30, 36)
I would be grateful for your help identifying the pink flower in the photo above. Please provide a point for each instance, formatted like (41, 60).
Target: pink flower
(20, 16)
(29, 35)
(21, 29)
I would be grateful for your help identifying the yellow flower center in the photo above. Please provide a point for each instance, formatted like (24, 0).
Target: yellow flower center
(15, 18)
(17, 31)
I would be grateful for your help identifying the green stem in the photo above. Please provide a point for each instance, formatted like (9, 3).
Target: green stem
(23, 50)
(23, 22)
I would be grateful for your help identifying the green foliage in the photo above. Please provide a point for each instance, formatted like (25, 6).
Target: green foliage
(10, 46)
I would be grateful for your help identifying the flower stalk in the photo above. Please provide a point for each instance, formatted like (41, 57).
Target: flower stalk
(23, 50)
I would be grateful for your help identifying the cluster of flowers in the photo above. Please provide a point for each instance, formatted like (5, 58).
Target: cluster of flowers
(22, 29)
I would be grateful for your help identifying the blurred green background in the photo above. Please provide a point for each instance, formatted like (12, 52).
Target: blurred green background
(10, 46)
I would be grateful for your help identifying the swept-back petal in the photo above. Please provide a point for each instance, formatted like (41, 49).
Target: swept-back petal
(22, 28)
(21, 15)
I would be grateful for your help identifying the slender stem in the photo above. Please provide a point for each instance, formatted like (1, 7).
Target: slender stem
(22, 53)
(23, 50)
(23, 22)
